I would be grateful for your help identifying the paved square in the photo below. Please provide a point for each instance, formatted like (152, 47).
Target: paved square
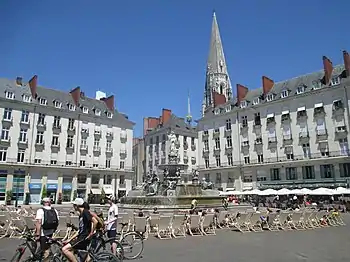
(321, 245)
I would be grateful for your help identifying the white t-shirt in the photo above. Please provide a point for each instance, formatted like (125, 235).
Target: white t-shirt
(40, 215)
(112, 213)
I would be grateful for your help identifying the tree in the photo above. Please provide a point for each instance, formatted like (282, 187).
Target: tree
(103, 196)
(44, 192)
(9, 196)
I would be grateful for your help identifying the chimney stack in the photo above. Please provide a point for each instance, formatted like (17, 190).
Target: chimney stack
(328, 69)
(242, 91)
(267, 84)
(346, 62)
(19, 81)
(33, 82)
(75, 93)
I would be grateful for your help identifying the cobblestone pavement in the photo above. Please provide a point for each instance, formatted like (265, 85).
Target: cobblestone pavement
(326, 244)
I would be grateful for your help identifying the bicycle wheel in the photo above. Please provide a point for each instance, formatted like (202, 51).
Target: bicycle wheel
(132, 243)
(103, 248)
(17, 256)
(105, 257)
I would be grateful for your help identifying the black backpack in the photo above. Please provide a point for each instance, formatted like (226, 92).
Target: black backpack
(50, 219)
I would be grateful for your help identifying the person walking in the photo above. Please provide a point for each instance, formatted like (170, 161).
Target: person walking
(111, 223)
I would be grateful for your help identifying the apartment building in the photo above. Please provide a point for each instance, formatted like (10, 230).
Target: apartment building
(64, 143)
(157, 144)
(293, 133)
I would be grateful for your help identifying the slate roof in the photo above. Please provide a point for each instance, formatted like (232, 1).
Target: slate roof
(52, 95)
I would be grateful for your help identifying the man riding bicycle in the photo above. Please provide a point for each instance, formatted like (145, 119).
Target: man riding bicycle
(81, 239)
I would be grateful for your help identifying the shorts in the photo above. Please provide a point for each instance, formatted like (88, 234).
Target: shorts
(43, 242)
(192, 206)
(111, 233)
(81, 243)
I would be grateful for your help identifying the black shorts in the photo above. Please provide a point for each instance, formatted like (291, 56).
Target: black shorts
(111, 233)
(192, 206)
(43, 242)
(80, 243)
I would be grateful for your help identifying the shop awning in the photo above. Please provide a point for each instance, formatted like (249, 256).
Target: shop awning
(108, 190)
(303, 108)
(318, 105)
(96, 191)
(271, 115)
(286, 112)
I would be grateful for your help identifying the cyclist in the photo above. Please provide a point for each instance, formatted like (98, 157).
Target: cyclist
(81, 239)
(46, 225)
(111, 223)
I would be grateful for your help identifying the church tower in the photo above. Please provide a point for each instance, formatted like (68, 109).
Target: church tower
(218, 88)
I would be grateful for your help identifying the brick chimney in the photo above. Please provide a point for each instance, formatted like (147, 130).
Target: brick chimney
(267, 84)
(218, 99)
(346, 63)
(242, 91)
(166, 115)
(109, 101)
(75, 93)
(19, 81)
(33, 83)
(328, 69)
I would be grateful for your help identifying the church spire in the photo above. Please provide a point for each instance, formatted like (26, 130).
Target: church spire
(218, 88)
(189, 116)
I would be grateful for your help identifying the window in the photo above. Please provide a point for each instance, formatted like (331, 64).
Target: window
(23, 136)
(108, 163)
(291, 173)
(82, 163)
(207, 177)
(218, 161)
(217, 143)
(228, 124)
(300, 90)
(284, 93)
(308, 172)
(218, 179)
(335, 81)
(20, 156)
(122, 164)
(9, 95)
(244, 104)
(108, 145)
(70, 141)
(55, 139)
(109, 115)
(275, 174)
(41, 119)
(95, 179)
(206, 161)
(316, 85)
(229, 142)
(247, 179)
(306, 150)
(57, 122)
(260, 158)
(40, 137)
(97, 112)
(85, 110)
(107, 179)
(269, 97)
(257, 119)
(230, 159)
(83, 143)
(8, 114)
(122, 180)
(71, 124)
(344, 146)
(3, 154)
(71, 107)
(327, 171)
(244, 121)
(320, 126)
(42, 101)
(246, 159)
(27, 98)
(57, 104)
(5, 134)
(25, 117)
(344, 170)
(256, 101)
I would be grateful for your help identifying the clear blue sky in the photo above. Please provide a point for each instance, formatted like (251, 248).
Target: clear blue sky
(149, 53)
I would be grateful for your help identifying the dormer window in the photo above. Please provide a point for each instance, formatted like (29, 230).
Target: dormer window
(270, 97)
(335, 81)
(217, 111)
(26, 98)
(228, 108)
(256, 101)
(85, 110)
(9, 95)
(316, 85)
(71, 107)
(42, 101)
(109, 115)
(97, 112)
(284, 93)
(300, 90)
(57, 104)
(244, 104)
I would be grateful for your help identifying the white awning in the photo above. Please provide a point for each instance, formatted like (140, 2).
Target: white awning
(318, 105)
(108, 189)
(96, 191)
(271, 115)
(303, 108)
(286, 112)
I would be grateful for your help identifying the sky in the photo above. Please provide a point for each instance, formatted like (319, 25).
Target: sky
(150, 54)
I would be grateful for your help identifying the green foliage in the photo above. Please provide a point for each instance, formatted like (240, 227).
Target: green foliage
(44, 192)
(9, 195)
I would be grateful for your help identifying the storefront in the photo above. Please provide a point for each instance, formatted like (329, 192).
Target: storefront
(51, 190)
(3, 182)
(35, 193)
(66, 192)
(18, 183)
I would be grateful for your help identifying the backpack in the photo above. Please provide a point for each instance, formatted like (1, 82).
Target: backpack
(50, 219)
(99, 220)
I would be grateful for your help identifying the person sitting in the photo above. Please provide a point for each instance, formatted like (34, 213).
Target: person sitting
(155, 210)
(81, 239)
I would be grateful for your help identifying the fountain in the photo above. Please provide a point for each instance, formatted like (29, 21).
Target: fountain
(169, 191)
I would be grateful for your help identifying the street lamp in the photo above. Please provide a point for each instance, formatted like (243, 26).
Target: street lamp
(17, 185)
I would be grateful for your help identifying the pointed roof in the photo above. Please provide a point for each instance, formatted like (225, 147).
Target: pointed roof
(216, 60)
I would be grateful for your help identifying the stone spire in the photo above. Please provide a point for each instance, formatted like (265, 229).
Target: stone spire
(218, 88)
(189, 115)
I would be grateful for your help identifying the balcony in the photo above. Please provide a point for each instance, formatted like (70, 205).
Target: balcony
(84, 132)
(272, 141)
(287, 139)
(25, 122)
(258, 141)
(244, 127)
(193, 147)
(6, 141)
(69, 147)
(97, 149)
(217, 150)
(55, 145)
(205, 151)
(23, 143)
(257, 123)
(109, 135)
(83, 148)
(39, 144)
(205, 135)
(7, 121)
(228, 132)
(245, 144)
(97, 133)
(216, 133)
(41, 125)
(123, 137)
(321, 135)
(193, 160)
(109, 150)
(228, 149)
(71, 129)
(341, 132)
(304, 135)
(56, 128)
